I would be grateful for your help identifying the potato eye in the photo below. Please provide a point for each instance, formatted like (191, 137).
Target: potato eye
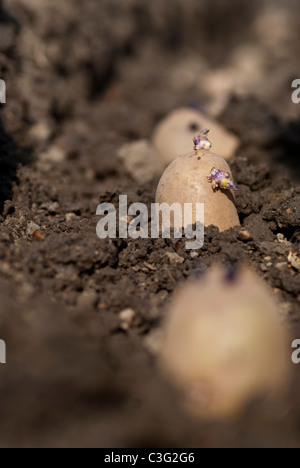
(193, 127)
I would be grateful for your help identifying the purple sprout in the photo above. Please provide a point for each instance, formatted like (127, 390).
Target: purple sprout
(197, 140)
(205, 132)
(221, 180)
(201, 140)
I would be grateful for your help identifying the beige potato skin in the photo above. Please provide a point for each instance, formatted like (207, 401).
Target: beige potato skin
(185, 181)
(224, 345)
(173, 135)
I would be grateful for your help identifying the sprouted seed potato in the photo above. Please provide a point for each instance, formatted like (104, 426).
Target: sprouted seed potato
(201, 176)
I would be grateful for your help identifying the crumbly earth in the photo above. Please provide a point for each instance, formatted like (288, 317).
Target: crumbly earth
(82, 80)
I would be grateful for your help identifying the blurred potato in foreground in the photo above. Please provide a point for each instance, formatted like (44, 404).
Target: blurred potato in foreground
(224, 344)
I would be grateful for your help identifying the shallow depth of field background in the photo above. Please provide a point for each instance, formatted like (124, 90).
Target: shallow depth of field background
(85, 77)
